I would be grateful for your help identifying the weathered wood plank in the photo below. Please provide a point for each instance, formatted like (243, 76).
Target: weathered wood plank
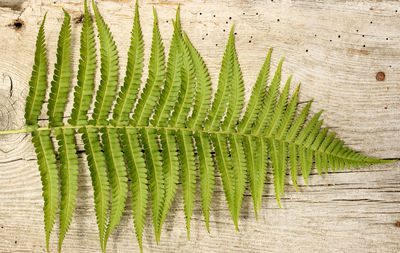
(351, 211)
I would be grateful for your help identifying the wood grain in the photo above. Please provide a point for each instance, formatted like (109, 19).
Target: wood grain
(335, 48)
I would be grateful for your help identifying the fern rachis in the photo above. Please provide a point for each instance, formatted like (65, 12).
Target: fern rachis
(176, 128)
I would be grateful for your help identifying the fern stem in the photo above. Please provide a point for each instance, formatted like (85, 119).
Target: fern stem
(30, 129)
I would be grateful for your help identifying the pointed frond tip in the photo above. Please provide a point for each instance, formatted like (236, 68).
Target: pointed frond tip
(170, 131)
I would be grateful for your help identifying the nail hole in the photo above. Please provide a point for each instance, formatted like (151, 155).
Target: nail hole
(230, 17)
(17, 24)
(363, 45)
(380, 76)
(370, 22)
(200, 13)
(249, 41)
(357, 30)
(306, 50)
(277, 20)
(363, 35)
(338, 36)
(214, 16)
(256, 13)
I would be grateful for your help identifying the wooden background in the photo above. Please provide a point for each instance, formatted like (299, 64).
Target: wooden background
(335, 48)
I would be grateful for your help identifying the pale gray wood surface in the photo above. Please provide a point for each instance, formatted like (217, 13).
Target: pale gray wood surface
(335, 48)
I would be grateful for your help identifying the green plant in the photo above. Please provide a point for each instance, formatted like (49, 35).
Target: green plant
(174, 129)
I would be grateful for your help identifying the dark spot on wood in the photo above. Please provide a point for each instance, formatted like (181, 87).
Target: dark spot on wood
(387, 38)
(15, 242)
(249, 41)
(202, 38)
(235, 33)
(167, 21)
(385, 107)
(363, 35)
(230, 17)
(277, 20)
(357, 30)
(370, 22)
(223, 30)
(315, 35)
(338, 36)
(79, 19)
(200, 13)
(17, 24)
(395, 11)
(256, 13)
(226, 22)
(244, 13)
(15, 5)
(214, 16)
(363, 45)
(330, 40)
(306, 50)
(380, 76)
(398, 224)
(216, 45)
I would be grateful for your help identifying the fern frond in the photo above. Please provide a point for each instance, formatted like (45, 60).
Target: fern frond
(68, 178)
(109, 71)
(49, 176)
(188, 170)
(279, 112)
(175, 127)
(171, 172)
(151, 91)
(172, 83)
(224, 165)
(38, 81)
(61, 78)
(221, 97)
(257, 97)
(203, 87)
(239, 175)
(134, 68)
(235, 104)
(86, 70)
(138, 175)
(98, 173)
(207, 173)
(156, 176)
(268, 105)
(117, 178)
(185, 98)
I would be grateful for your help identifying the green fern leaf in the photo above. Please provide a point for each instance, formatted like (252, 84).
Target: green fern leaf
(174, 128)
(235, 104)
(87, 65)
(117, 178)
(151, 91)
(49, 175)
(156, 176)
(221, 97)
(268, 105)
(109, 71)
(257, 97)
(188, 170)
(134, 69)
(38, 81)
(185, 98)
(61, 78)
(207, 174)
(170, 91)
(171, 172)
(68, 177)
(203, 87)
(239, 175)
(98, 173)
(138, 175)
